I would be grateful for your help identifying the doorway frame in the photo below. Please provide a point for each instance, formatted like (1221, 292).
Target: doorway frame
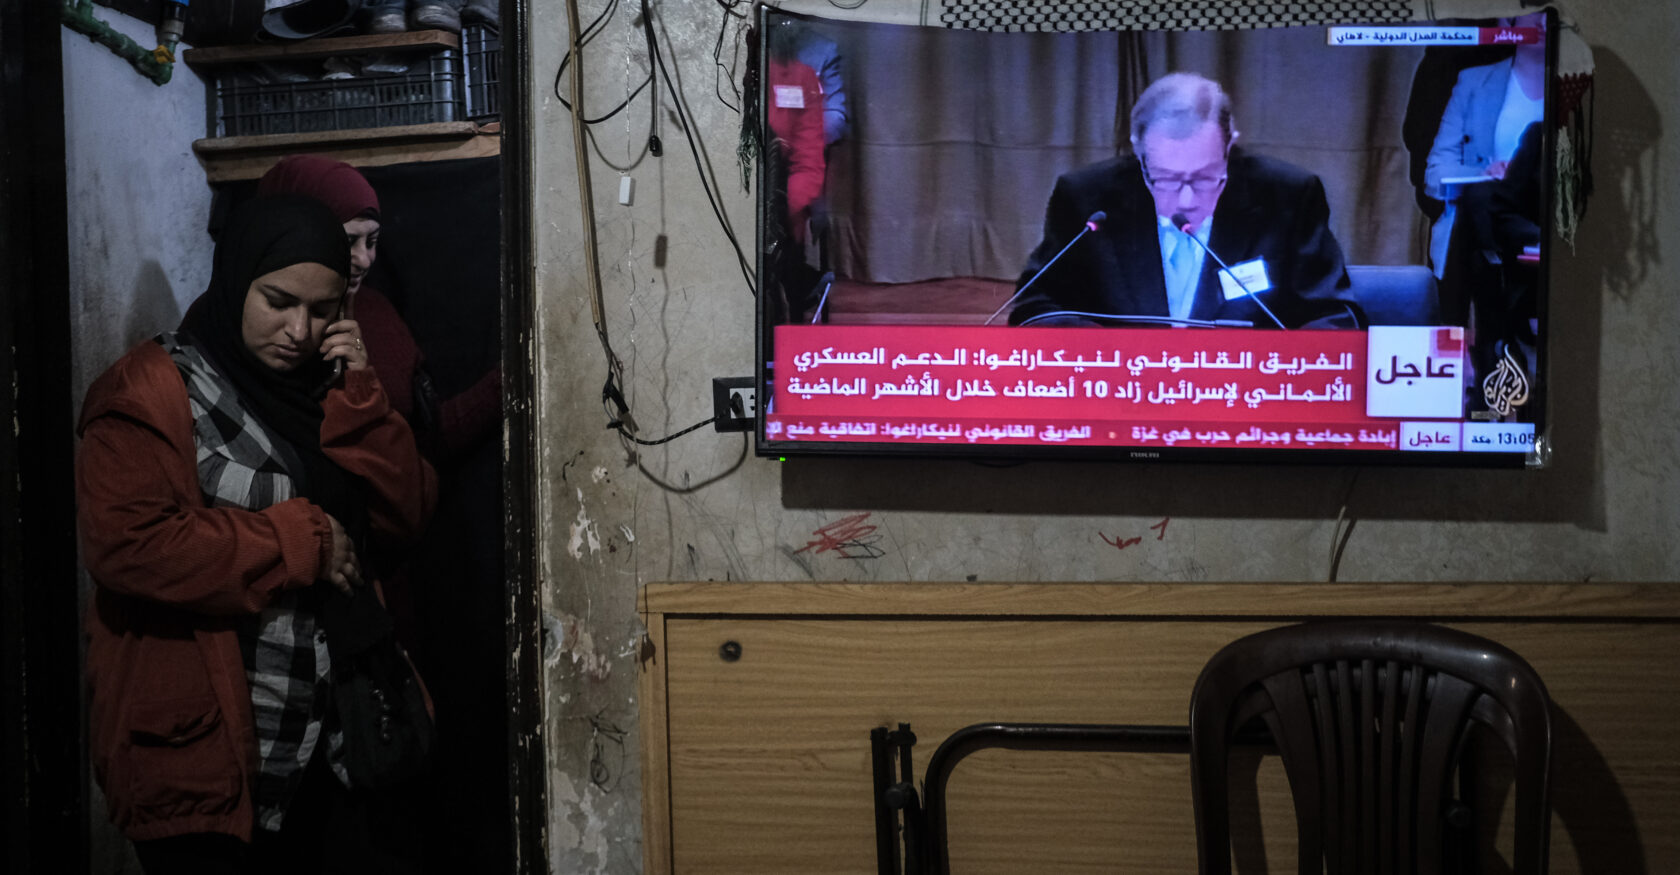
(43, 752)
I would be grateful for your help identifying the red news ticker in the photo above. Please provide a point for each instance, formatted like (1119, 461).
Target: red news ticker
(1072, 386)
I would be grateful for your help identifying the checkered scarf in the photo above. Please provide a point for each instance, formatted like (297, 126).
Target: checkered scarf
(241, 465)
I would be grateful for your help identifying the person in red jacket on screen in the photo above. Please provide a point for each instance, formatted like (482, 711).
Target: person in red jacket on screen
(795, 114)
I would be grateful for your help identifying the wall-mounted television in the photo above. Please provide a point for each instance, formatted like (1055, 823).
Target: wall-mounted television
(1286, 244)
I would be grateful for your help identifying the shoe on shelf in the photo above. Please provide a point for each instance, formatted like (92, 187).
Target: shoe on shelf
(487, 12)
(384, 21)
(432, 16)
(302, 19)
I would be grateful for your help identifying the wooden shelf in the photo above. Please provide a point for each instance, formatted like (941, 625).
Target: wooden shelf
(229, 159)
(305, 50)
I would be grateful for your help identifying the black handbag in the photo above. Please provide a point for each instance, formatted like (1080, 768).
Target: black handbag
(388, 733)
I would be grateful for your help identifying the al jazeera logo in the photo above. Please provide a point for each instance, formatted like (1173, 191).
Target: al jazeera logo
(1506, 387)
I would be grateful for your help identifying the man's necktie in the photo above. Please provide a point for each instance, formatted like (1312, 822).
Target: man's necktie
(1181, 278)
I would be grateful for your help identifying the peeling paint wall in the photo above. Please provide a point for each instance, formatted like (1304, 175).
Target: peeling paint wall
(701, 508)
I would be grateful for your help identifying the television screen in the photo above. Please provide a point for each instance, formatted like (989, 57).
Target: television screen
(1277, 244)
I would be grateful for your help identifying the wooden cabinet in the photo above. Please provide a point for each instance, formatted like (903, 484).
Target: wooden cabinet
(761, 764)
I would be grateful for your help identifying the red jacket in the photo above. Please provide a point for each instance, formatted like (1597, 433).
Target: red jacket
(795, 115)
(464, 419)
(170, 725)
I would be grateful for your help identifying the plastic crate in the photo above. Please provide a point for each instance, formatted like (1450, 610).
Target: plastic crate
(429, 92)
(481, 46)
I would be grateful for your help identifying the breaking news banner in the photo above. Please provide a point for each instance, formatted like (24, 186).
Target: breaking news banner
(1389, 388)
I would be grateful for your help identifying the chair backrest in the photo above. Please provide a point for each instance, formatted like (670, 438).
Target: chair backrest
(1369, 719)
(1402, 294)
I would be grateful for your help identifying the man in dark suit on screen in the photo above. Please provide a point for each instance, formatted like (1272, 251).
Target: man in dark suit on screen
(1266, 219)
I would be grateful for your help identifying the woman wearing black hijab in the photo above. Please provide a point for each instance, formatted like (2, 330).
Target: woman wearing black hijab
(228, 477)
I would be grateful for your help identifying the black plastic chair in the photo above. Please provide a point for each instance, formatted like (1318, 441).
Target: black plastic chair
(1370, 719)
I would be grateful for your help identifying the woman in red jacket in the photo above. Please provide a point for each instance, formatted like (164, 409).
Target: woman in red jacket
(229, 476)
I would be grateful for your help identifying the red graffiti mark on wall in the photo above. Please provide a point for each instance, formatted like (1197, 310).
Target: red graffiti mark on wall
(1120, 543)
(851, 537)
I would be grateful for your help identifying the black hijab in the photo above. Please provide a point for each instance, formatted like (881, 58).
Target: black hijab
(262, 236)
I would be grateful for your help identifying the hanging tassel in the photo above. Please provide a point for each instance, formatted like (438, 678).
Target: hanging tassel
(752, 139)
(1574, 156)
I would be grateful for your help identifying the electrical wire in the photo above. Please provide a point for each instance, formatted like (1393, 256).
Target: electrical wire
(670, 437)
(619, 415)
(589, 33)
(620, 419)
(1339, 536)
(628, 166)
(686, 119)
(717, 63)
(617, 109)
(586, 205)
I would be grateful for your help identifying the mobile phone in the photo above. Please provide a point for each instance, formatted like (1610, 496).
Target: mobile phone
(344, 312)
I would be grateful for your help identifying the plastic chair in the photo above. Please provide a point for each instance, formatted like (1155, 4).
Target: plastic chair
(1370, 719)
(1395, 294)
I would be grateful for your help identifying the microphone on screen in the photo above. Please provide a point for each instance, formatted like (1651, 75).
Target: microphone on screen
(1092, 223)
(1182, 223)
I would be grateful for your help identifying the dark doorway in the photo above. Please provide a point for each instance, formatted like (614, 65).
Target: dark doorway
(489, 810)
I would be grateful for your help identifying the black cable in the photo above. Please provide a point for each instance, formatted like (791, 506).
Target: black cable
(685, 118)
(621, 419)
(601, 154)
(625, 425)
(717, 64)
(615, 110)
(579, 41)
(588, 35)
(1338, 535)
(619, 426)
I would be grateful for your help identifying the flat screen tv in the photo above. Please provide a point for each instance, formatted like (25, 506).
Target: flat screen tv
(1287, 244)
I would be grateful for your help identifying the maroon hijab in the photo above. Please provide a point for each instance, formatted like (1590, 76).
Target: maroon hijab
(338, 185)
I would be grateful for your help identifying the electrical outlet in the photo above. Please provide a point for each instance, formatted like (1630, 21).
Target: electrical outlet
(734, 403)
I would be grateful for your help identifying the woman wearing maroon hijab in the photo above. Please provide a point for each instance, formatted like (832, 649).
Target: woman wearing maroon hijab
(445, 427)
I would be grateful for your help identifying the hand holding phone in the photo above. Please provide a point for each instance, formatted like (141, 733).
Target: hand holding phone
(343, 344)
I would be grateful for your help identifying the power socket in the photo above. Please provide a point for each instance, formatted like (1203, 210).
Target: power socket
(734, 403)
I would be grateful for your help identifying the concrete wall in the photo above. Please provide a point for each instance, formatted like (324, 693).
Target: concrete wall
(139, 253)
(615, 516)
(139, 204)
